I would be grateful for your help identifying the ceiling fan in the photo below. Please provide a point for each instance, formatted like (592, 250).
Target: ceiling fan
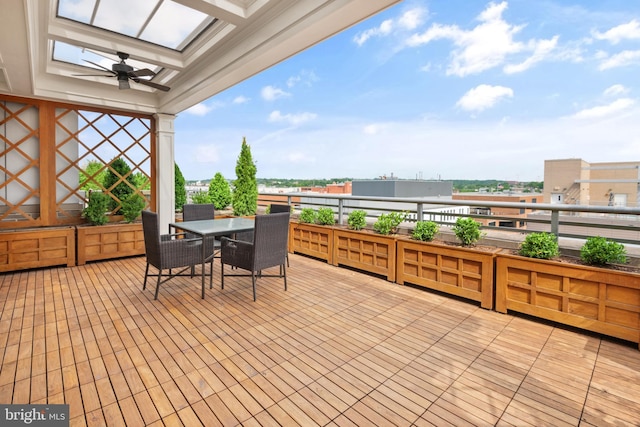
(124, 72)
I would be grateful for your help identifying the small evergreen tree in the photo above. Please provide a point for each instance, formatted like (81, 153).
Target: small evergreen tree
(179, 188)
(118, 181)
(245, 193)
(220, 192)
(92, 177)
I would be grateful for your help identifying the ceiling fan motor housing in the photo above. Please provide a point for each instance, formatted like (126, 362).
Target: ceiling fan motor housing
(121, 67)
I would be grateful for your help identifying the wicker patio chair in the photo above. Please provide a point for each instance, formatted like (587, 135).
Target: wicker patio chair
(275, 208)
(168, 251)
(195, 212)
(268, 249)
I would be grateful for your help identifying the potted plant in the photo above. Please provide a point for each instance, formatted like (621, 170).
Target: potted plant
(357, 219)
(132, 207)
(312, 234)
(467, 230)
(97, 207)
(455, 270)
(105, 240)
(600, 297)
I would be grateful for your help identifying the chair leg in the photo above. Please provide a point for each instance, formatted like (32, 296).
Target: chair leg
(287, 260)
(253, 281)
(284, 274)
(146, 274)
(221, 276)
(158, 284)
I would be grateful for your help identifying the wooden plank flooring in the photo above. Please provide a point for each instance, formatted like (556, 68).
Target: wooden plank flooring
(339, 348)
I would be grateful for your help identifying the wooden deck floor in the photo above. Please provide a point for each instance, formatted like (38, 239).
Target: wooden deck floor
(339, 348)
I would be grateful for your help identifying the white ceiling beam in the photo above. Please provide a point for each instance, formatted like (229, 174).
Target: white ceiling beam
(224, 10)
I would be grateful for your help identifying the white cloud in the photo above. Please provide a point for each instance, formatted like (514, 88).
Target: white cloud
(483, 97)
(615, 107)
(306, 78)
(622, 59)
(541, 50)
(628, 31)
(240, 99)
(292, 119)
(270, 93)
(199, 109)
(409, 20)
(300, 157)
(615, 90)
(206, 154)
(487, 45)
(372, 129)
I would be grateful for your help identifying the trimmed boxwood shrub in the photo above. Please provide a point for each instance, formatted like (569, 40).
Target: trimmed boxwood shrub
(540, 245)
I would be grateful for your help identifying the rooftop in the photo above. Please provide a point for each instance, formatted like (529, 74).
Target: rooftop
(338, 348)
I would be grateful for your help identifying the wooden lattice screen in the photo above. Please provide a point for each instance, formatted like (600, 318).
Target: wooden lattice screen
(46, 150)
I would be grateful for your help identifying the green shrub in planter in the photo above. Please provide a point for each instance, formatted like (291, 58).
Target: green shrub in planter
(388, 223)
(201, 198)
(425, 231)
(357, 219)
(325, 216)
(601, 251)
(467, 230)
(540, 245)
(132, 207)
(96, 210)
(308, 216)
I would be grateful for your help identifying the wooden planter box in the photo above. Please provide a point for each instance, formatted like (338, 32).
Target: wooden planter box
(464, 272)
(596, 299)
(365, 250)
(114, 240)
(312, 240)
(38, 247)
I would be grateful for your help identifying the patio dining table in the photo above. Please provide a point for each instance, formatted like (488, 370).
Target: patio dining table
(213, 227)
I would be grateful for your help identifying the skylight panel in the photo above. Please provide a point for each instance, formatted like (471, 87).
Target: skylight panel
(162, 22)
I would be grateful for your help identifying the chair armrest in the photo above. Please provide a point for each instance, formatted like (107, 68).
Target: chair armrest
(178, 236)
(237, 253)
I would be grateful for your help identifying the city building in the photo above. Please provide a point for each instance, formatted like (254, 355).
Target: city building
(578, 182)
(514, 214)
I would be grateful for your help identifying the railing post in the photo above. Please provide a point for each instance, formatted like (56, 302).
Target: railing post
(420, 212)
(340, 211)
(555, 219)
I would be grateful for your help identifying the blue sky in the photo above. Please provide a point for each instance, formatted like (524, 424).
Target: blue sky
(454, 89)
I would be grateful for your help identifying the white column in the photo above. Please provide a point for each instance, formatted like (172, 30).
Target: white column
(165, 170)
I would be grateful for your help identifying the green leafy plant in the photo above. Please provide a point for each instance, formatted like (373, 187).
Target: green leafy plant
(425, 231)
(245, 193)
(601, 251)
(96, 210)
(388, 223)
(467, 230)
(325, 216)
(179, 189)
(308, 216)
(540, 245)
(220, 192)
(132, 206)
(92, 177)
(118, 181)
(357, 219)
(200, 197)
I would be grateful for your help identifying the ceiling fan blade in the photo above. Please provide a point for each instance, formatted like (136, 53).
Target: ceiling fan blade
(152, 84)
(142, 73)
(100, 66)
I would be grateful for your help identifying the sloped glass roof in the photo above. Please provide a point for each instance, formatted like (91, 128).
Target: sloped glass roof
(162, 22)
